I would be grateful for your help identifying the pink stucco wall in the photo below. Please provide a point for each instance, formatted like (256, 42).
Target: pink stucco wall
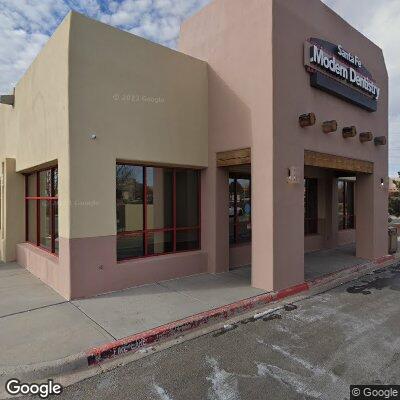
(87, 267)
(240, 255)
(239, 56)
(53, 271)
(258, 88)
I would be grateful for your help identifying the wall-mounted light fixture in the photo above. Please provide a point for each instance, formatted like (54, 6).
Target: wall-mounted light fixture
(384, 183)
(349, 131)
(366, 137)
(329, 126)
(380, 141)
(307, 120)
(293, 175)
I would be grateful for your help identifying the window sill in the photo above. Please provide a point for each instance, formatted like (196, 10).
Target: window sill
(42, 251)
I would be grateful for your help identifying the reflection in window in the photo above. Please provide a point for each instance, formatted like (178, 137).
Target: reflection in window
(41, 204)
(130, 195)
(159, 198)
(239, 209)
(346, 204)
(157, 211)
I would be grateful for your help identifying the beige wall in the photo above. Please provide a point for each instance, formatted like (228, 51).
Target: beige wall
(35, 131)
(13, 210)
(79, 86)
(106, 66)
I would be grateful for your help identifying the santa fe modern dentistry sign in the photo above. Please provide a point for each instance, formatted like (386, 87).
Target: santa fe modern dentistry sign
(339, 72)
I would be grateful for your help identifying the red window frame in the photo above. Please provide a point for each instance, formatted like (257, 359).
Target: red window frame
(236, 224)
(174, 229)
(52, 199)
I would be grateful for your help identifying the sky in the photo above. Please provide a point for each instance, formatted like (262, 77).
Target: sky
(26, 25)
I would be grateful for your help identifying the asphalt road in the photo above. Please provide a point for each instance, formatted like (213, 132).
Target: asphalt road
(348, 335)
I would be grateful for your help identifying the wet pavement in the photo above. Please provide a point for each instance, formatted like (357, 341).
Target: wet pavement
(347, 335)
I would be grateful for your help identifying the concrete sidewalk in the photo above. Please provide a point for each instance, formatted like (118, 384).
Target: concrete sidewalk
(37, 325)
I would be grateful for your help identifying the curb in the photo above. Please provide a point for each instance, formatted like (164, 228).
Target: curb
(131, 344)
(97, 355)
(138, 341)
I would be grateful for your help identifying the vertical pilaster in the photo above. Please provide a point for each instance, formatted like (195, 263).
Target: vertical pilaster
(331, 231)
(215, 216)
(13, 206)
(372, 217)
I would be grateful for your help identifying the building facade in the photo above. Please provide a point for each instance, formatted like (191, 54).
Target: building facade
(262, 138)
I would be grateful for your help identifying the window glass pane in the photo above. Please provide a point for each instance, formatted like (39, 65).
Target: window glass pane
(129, 198)
(45, 183)
(130, 247)
(32, 186)
(187, 240)
(310, 206)
(160, 242)
(231, 197)
(349, 208)
(187, 207)
(243, 210)
(56, 241)
(243, 230)
(45, 226)
(231, 230)
(55, 182)
(32, 231)
(159, 198)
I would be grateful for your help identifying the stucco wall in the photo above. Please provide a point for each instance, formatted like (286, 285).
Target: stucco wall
(235, 38)
(258, 87)
(114, 77)
(293, 96)
(35, 132)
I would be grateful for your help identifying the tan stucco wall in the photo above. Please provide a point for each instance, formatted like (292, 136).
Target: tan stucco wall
(35, 131)
(13, 210)
(106, 66)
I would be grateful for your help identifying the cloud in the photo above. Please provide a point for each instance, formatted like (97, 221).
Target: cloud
(26, 25)
(380, 22)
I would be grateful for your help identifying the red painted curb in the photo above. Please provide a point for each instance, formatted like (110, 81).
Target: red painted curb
(138, 341)
(141, 340)
(384, 259)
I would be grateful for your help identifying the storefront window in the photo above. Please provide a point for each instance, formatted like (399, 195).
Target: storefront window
(346, 204)
(310, 206)
(41, 205)
(239, 209)
(157, 211)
